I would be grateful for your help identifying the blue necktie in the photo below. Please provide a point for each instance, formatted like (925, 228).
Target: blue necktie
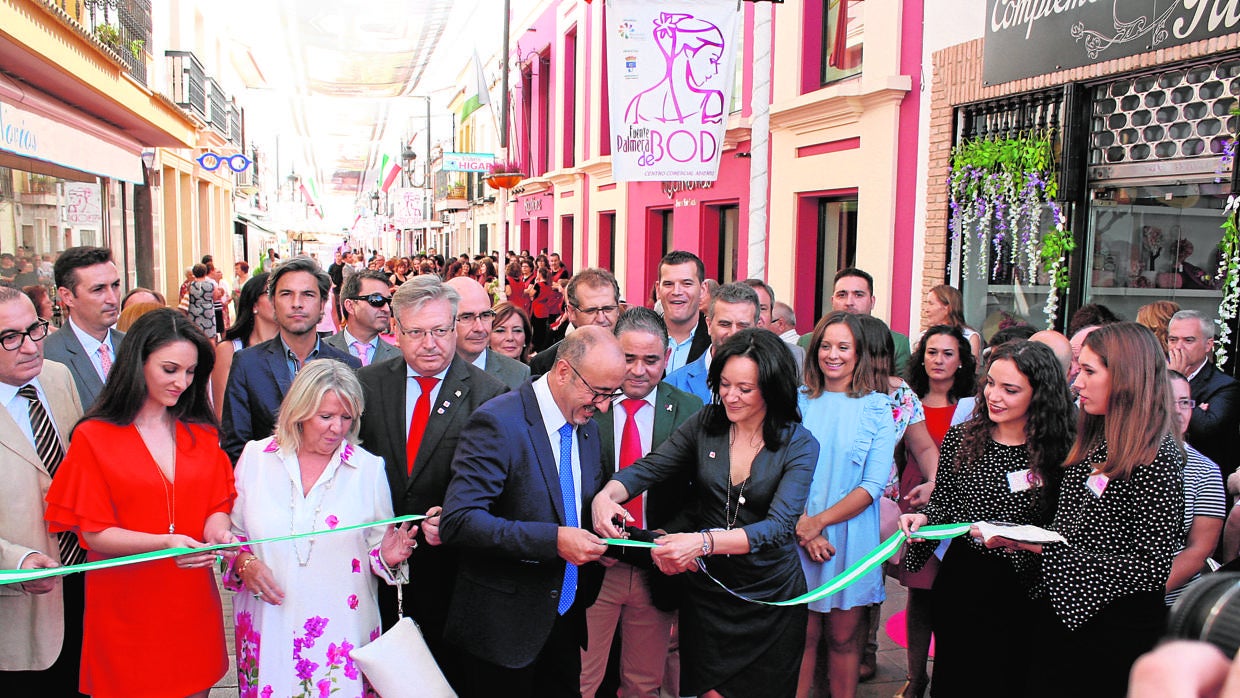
(569, 591)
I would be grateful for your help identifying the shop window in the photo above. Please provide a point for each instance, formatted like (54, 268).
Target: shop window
(1157, 242)
(837, 246)
(842, 33)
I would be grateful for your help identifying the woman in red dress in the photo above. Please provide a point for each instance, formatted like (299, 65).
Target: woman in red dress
(144, 472)
(517, 285)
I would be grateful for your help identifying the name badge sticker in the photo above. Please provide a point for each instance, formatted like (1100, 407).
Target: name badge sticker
(1097, 483)
(1021, 480)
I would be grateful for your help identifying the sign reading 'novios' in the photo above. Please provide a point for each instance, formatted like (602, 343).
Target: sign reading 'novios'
(1035, 37)
(670, 68)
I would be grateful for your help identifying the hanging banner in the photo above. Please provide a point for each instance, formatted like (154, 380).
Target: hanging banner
(670, 69)
(83, 205)
(407, 206)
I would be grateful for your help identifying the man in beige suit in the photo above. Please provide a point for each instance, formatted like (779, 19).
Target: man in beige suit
(39, 617)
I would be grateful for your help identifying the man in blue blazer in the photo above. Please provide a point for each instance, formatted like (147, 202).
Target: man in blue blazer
(526, 469)
(262, 374)
(89, 288)
(733, 307)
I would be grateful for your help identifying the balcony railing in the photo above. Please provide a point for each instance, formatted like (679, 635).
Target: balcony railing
(217, 108)
(124, 26)
(189, 82)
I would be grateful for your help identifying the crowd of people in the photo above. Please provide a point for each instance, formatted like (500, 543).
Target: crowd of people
(532, 416)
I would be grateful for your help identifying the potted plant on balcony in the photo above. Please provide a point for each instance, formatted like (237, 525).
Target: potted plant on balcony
(109, 35)
(505, 174)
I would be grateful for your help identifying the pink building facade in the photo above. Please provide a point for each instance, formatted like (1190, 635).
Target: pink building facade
(843, 112)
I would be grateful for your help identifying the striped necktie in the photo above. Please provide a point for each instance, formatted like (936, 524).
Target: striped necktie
(47, 444)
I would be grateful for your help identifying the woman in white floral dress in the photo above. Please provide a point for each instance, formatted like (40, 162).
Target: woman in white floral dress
(309, 602)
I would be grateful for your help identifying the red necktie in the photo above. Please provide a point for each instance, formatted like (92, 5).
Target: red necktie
(630, 451)
(421, 415)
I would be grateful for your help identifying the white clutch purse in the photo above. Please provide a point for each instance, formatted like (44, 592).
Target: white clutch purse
(399, 664)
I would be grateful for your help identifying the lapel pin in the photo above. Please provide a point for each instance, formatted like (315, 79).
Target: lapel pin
(711, 454)
(439, 411)
(458, 393)
(447, 404)
(669, 407)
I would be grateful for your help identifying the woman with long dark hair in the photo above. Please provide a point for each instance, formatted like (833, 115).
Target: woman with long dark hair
(751, 462)
(255, 323)
(942, 374)
(1001, 465)
(1121, 510)
(145, 472)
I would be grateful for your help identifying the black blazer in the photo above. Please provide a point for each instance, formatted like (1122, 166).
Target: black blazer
(664, 500)
(503, 511)
(701, 340)
(257, 382)
(1213, 431)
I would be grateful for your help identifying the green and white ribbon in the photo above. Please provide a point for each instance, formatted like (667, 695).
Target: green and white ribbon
(859, 569)
(21, 576)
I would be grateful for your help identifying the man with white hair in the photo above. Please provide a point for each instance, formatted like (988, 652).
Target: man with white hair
(1216, 417)
(39, 404)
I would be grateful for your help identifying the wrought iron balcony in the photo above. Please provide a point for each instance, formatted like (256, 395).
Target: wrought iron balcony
(124, 26)
(189, 82)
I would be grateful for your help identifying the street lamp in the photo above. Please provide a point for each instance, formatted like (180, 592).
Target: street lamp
(374, 201)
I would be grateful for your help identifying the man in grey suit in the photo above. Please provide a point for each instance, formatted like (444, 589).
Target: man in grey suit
(416, 407)
(41, 645)
(89, 288)
(473, 334)
(365, 299)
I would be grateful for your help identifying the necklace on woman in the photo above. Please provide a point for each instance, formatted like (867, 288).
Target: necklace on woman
(170, 500)
(730, 517)
(170, 494)
(318, 509)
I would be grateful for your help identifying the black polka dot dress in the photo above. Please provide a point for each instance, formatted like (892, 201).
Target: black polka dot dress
(981, 605)
(1102, 592)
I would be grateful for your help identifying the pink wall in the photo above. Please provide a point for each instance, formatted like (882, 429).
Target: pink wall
(694, 228)
(906, 166)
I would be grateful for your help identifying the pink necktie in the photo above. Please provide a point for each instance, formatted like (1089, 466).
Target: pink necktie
(630, 451)
(105, 360)
(363, 352)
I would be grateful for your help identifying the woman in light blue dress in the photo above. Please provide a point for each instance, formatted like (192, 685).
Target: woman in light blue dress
(845, 405)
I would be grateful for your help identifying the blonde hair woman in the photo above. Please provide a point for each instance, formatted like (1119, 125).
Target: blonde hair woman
(318, 595)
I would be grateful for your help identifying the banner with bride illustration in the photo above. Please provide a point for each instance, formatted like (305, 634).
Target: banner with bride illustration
(670, 69)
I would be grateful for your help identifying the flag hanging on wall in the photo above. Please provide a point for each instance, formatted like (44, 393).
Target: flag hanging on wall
(670, 69)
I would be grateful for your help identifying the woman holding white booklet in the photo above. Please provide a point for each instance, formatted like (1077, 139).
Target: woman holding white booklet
(1121, 509)
(1001, 465)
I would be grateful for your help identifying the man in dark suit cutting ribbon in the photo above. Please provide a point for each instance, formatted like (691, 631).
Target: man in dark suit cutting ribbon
(526, 468)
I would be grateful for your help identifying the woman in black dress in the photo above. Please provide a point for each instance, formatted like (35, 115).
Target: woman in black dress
(751, 463)
(1001, 465)
(1121, 509)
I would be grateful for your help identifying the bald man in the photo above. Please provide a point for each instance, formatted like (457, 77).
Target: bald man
(473, 334)
(1058, 344)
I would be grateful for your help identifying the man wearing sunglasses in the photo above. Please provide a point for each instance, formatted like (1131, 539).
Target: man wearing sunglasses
(39, 404)
(473, 334)
(592, 298)
(366, 301)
